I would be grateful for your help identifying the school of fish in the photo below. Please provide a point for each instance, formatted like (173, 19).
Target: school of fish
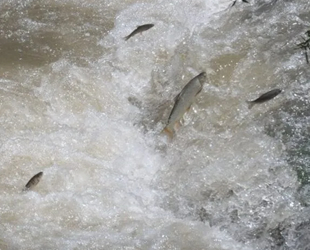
(182, 102)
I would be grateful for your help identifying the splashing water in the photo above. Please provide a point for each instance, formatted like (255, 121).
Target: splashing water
(86, 107)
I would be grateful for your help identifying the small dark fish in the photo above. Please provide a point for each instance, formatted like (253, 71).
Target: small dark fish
(306, 55)
(245, 1)
(305, 45)
(33, 181)
(138, 30)
(264, 97)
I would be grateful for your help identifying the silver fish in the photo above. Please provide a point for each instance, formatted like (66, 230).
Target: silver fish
(33, 181)
(183, 102)
(139, 29)
(265, 97)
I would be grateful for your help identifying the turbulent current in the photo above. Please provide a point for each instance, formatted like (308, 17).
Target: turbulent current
(86, 108)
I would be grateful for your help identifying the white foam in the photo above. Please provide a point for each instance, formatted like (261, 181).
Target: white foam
(111, 181)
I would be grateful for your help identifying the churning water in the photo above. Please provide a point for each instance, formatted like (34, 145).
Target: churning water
(86, 107)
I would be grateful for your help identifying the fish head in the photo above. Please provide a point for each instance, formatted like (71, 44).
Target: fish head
(277, 91)
(202, 77)
(146, 26)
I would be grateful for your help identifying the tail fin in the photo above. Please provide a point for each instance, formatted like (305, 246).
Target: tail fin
(127, 37)
(169, 132)
(250, 104)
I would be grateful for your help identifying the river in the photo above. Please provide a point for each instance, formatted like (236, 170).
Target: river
(87, 108)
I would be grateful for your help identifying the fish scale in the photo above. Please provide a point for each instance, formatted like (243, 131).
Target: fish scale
(183, 102)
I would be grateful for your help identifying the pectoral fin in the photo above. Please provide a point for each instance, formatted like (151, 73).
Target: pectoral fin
(177, 125)
(169, 132)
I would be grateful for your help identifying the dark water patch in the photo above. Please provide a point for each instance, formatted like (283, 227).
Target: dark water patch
(276, 236)
(291, 233)
(290, 124)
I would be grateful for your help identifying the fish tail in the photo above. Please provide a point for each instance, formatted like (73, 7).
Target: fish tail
(127, 37)
(169, 132)
(250, 104)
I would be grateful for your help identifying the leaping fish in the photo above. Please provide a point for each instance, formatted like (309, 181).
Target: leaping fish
(183, 102)
(138, 30)
(245, 1)
(33, 181)
(264, 97)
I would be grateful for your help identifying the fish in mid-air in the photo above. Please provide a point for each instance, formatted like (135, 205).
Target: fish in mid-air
(33, 181)
(138, 30)
(245, 1)
(183, 102)
(265, 97)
